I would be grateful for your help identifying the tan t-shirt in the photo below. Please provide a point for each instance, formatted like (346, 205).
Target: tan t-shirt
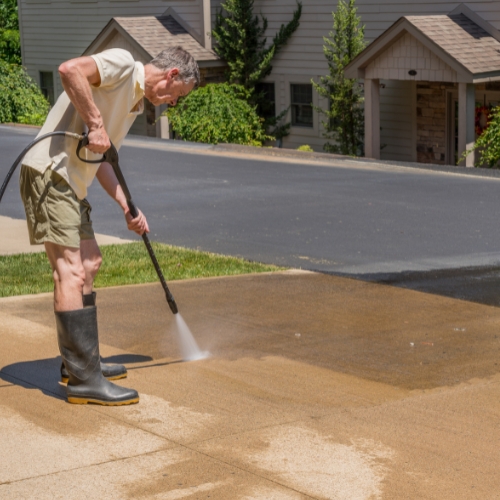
(119, 98)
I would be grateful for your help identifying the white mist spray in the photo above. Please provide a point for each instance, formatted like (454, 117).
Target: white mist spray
(189, 348)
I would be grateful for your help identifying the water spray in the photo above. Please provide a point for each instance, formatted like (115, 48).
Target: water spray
(189, 347)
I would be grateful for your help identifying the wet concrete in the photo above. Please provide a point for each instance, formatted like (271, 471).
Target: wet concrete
(405, 338)
(476, 284)
(317, 387)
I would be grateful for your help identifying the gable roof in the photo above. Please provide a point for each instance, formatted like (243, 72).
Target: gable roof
(152, 34)
(459, 41)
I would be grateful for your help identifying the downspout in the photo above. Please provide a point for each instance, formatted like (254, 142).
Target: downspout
(206, 23)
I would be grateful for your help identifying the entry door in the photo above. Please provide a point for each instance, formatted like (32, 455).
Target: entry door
(488, 98)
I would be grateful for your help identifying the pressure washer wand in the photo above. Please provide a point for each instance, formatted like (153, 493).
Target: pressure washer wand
(111, 157)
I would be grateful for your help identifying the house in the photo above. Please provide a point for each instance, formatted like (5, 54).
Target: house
(450, 67)
(429, 116)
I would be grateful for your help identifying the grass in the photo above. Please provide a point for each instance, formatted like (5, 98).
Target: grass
(126, 264)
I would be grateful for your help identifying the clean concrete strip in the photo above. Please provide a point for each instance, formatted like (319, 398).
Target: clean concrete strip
(15, 238)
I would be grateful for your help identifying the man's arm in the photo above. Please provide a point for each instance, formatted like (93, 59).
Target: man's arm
(77, 75)
(107, 178)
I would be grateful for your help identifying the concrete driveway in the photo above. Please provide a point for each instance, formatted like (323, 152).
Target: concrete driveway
(316, 387)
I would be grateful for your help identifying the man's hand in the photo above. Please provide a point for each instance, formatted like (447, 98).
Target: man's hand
(139, 224)
(98, 140)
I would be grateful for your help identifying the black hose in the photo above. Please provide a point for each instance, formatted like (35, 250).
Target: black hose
(26, 149)
(111, 156)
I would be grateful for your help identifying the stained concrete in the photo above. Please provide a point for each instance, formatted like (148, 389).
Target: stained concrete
(316, 387)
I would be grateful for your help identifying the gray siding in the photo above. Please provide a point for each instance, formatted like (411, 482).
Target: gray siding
(303, 58)
(57, 30)
(53, 31)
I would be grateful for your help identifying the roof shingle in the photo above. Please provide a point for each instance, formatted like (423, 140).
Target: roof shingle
(155, 34)
(462, 39)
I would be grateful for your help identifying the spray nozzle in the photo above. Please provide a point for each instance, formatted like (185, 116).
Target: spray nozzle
(172, 305)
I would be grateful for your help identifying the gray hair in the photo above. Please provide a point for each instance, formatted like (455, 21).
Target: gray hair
(177, 57)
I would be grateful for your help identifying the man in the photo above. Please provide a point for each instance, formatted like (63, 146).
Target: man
(103, 95)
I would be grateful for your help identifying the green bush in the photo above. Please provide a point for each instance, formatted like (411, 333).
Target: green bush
(488, 143)
(217, 113)
(21, 101)
(306, 147)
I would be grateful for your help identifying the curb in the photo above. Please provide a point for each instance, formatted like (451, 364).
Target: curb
(273, 152)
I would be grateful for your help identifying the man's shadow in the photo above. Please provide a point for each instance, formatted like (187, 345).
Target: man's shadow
(44, 374)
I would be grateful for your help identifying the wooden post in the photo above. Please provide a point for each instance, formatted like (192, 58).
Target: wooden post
(207, 24)
(466, 122)
(372, 118)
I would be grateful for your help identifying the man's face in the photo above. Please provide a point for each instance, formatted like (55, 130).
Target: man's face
(168, 89)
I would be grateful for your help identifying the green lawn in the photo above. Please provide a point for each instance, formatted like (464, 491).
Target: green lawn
(124, 265)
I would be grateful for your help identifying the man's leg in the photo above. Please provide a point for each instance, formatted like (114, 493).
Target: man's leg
(91, 260)
(77, 333)
(68, 274)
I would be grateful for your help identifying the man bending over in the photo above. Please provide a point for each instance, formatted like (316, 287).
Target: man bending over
(103, 95)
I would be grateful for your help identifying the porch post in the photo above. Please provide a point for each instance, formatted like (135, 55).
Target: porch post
(162, 125)
(372, 118)
(466, 121)
(207, 24)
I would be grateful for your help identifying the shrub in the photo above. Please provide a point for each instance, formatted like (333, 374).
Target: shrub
(21, 101)
(488, 143)
(217, 113)
(306, 147)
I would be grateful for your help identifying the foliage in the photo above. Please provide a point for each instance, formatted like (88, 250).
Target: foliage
(278, 127)
(241, 42)
(344, 124)
(306, 147)
(218, 112)
(488, 143)
(10, 45)
(123, 265)
(21, 100)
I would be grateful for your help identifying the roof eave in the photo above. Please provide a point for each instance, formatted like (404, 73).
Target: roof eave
(491, 76)
(108, 31)
(211, 63)
(355, 69)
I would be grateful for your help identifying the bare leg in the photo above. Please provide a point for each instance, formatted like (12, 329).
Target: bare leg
(91, 260)
(68, 274)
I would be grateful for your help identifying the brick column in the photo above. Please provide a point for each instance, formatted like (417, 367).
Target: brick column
(466, 121)
(372, 118)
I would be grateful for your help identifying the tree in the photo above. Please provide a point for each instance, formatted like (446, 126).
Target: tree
(218, 112)
(344, 124)
(10, 45)
(241, 42)
(21, 101)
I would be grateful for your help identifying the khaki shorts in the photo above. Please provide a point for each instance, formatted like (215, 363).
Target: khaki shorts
(53, 212)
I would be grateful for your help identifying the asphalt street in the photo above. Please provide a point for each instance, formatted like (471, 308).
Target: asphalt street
(433, 231)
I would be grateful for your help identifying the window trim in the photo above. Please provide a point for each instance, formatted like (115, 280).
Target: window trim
(288, 81)
(302, 125)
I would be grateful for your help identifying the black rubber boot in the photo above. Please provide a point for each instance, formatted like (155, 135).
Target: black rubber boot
(79, 345)
(111, 372)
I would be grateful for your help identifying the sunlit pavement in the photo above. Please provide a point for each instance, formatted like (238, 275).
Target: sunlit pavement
(316, 387)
